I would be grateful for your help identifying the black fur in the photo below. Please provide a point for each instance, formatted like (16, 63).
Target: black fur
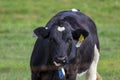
(52, 44)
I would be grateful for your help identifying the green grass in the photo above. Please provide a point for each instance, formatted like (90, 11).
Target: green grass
(18, 18)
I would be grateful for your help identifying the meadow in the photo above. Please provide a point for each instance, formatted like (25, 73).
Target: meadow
(18, 19)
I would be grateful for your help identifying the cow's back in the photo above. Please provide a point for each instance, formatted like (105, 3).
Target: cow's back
(77, 20)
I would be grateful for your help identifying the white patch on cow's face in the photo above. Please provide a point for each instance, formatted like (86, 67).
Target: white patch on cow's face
(74, 10)
(91, 74)
(61, 29)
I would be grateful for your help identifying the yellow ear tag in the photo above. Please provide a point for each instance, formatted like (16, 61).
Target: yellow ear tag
(81, 39)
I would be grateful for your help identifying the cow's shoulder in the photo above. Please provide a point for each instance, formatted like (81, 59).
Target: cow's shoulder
(40, 52)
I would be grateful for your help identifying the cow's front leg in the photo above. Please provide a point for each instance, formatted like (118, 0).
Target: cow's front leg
(34, 76)
(92, 72)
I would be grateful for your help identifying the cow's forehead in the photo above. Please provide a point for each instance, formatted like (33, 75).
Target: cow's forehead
(61, 28)
(60, 31)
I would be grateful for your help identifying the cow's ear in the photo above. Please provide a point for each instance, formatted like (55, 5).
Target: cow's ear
(41, 32)
(79, 33)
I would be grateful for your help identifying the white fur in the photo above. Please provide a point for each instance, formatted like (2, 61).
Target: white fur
(91, 74)
(81, 74)
(74, 10)
(61, 29)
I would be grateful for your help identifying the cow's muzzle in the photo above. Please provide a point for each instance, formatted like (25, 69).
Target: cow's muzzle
(58, 61)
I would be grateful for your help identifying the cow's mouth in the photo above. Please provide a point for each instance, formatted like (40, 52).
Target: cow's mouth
(59, 61)
(57, 64)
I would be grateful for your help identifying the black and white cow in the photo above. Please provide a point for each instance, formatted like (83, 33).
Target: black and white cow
(68, 45)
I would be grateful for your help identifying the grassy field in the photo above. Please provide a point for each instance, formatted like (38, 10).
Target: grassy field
(18, 18)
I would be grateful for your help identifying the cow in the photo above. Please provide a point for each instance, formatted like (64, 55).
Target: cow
(66, 47)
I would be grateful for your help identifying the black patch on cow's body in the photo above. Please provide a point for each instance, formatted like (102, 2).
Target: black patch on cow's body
(53, 44)
(38, 58)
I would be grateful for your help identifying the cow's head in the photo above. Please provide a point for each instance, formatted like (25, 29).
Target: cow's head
(62, 41)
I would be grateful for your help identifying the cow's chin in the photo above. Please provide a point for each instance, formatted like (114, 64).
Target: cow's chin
(57, 64)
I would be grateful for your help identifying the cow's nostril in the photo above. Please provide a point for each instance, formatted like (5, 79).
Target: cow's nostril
(61, 58)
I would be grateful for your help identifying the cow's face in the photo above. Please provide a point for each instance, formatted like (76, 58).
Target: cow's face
(62, 41)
